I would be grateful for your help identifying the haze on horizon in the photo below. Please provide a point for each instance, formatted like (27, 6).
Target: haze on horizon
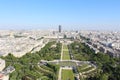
(71, 14)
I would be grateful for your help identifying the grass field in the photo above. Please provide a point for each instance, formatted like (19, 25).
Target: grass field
(65, 47)
(66, 55)
(67, 74)
(67, 63)
(87, 69)
(82, 67)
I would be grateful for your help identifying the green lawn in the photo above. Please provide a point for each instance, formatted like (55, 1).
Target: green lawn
(67, 74)
(65, 47)
(87, 69)
(66, 55)
(82, 67)
(67, 63)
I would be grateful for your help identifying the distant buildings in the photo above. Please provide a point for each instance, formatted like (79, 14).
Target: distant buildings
(104, 41)
(19, 43)
(8, 70)
(4, 75)
(2, 64)
(115, 45)
(60, 28)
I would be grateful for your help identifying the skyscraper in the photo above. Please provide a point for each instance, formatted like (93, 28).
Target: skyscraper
(60, 28)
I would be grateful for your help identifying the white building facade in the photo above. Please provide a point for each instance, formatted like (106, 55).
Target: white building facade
(2, 64)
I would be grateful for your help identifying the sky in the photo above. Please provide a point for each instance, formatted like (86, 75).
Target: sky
(71, 14)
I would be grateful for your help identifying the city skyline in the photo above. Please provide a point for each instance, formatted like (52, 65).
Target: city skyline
(72, 15)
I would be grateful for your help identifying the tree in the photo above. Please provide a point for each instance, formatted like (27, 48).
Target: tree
(104, 77)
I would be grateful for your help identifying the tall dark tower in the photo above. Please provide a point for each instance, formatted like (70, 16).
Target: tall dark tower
(60, 28)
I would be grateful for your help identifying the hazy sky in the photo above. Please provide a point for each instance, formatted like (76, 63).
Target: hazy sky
(71, 14)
